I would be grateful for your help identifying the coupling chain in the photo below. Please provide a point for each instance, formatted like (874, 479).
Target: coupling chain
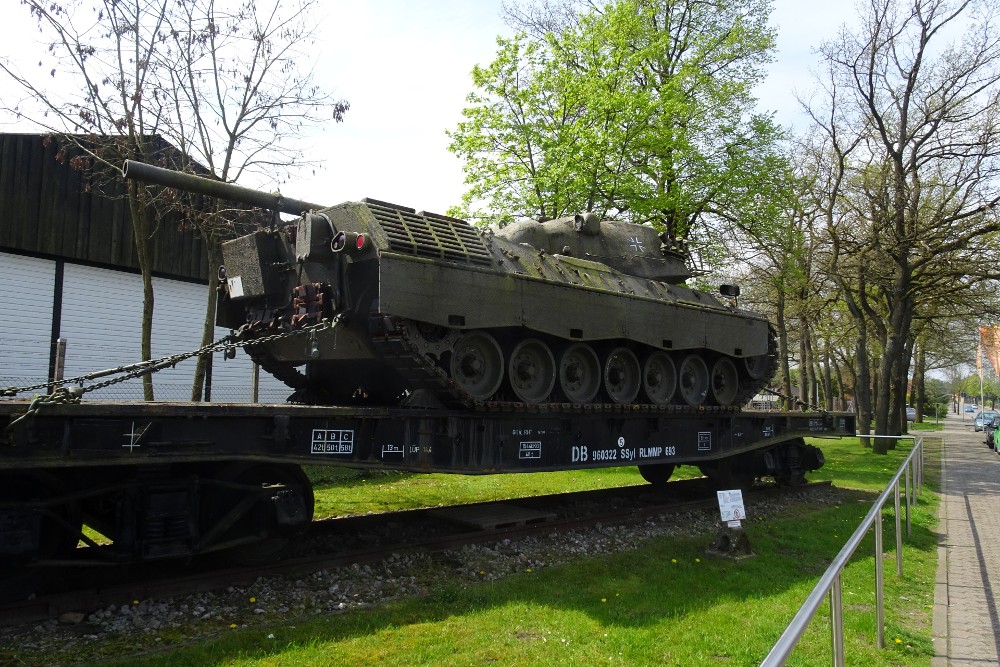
(73, 394)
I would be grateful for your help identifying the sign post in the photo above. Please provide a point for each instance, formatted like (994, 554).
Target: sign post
(730, 539)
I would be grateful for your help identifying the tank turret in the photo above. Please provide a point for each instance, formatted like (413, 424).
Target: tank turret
(637, 250)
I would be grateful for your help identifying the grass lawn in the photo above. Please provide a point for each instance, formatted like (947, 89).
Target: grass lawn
(666, 603)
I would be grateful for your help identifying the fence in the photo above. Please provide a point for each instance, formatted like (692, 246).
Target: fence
(830, 582)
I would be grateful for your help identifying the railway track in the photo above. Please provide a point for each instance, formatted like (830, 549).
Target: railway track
(353, 541)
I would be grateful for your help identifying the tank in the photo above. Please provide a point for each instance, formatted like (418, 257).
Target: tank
(373, 303)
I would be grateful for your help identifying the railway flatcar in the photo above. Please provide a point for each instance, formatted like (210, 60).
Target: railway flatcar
(410, 341)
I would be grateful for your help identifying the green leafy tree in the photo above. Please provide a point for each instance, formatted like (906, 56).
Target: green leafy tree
(641, 111)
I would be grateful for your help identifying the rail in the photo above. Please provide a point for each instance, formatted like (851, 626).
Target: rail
(830, 582)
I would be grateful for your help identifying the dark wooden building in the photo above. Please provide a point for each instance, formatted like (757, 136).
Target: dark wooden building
(68, 270)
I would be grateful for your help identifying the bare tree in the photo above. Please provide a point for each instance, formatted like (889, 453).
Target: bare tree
(910, 128)
(241, 102)
(92, 84)
(228, 84)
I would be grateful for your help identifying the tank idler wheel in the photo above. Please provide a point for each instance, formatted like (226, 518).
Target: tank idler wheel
(659, 378)
(477, 365)
(579, 373)
(532, 371)
(757, 367)
(693, 380)
(656, 474)
(725, 381)
(762, 366)
(622, 375)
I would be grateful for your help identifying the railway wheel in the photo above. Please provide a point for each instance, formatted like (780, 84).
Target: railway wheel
(254, 511)
(532, 371)
(579, 373)
(34, 526)
(622, 375)
(34, 523)
(659, 378)
(725, 381)
(728, 474)
(477, 365)
(693, 380)
(656, 474)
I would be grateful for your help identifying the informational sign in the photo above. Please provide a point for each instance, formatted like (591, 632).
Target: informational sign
(731, 507)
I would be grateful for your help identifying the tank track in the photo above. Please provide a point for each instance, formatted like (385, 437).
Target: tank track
(296, 380)
(393, 340)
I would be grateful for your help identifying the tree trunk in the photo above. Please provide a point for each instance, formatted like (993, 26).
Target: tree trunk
(214, 253)
(862, 387)
(140, 226)
(918, 389)
(827, 376)
(803, 369)
(786, 372)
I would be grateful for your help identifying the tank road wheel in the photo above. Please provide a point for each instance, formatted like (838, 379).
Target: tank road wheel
(725, 381)
(622, 375)
(477, 365)
(532, 371)
(693, 380)
(254, 511)
(579, 373)
(659, 378)
(656, 474)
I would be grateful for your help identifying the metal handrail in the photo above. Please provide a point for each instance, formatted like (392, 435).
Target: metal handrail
(830, 581)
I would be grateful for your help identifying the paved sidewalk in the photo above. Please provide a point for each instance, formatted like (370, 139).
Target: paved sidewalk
(967, 590)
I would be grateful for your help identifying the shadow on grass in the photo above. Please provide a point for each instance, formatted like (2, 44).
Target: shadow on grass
(665, 579)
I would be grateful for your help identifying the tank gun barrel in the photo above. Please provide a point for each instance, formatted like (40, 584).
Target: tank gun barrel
(147, 173)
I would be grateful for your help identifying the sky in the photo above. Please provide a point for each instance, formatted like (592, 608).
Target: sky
(404, 66)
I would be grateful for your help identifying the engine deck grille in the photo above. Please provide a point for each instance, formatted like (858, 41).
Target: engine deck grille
(431, 235)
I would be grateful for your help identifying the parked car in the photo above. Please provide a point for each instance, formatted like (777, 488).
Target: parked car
(980, 423)
(991, 429)
(911, 414)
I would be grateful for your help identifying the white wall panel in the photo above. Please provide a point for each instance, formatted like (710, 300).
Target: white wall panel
(26, 287)
(102, 311)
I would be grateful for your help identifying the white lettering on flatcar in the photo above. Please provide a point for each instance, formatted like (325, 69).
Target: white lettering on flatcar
(530, 450)
(338, 442)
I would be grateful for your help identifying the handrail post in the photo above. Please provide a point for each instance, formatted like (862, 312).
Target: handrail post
(920, 458)
(899, 531)
(909, 504)
(879, 583)
(837, 621)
